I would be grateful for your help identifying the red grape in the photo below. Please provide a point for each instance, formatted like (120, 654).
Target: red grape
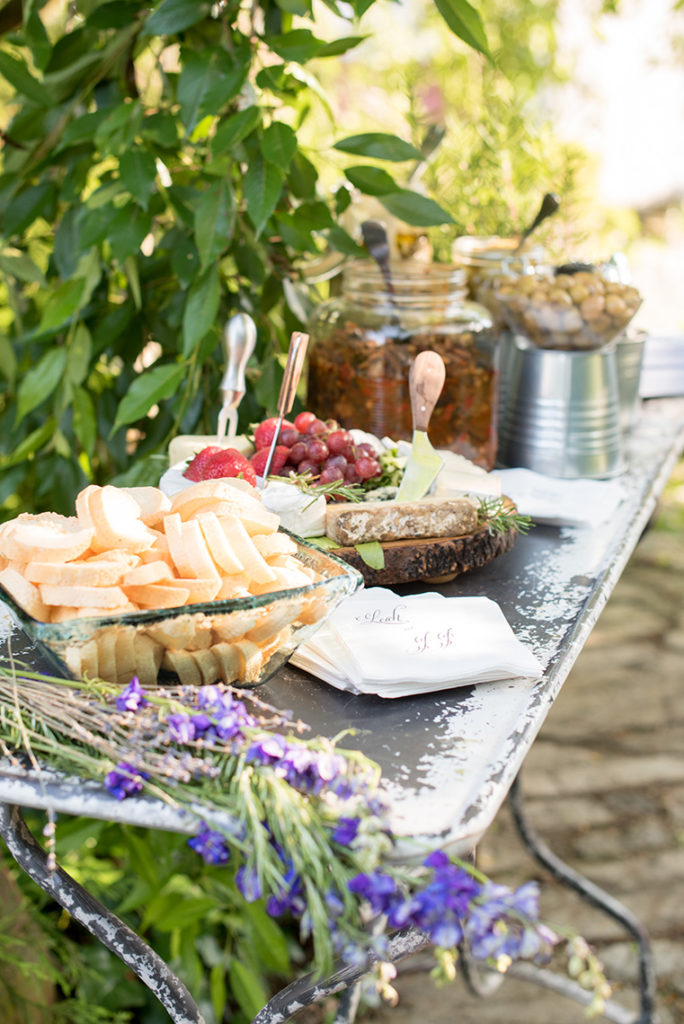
(364, 448)
(350, 474)
(297, 453)
(303, 419)
(338, 461)
(305, 466)
(316, 426)
(338, 440)
(289, 436)
(316, 450)
(330, 473)
(367, 467)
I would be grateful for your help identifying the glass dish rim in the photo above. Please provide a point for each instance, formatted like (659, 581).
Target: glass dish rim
(59, 631)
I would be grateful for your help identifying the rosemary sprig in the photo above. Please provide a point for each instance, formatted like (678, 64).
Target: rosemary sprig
(500, 517)
(306, 483)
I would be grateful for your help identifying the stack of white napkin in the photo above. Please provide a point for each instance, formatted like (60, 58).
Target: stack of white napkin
(558, 502)
(377, 642)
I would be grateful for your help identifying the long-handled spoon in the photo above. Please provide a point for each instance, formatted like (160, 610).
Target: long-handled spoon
(377, 245)
(549, 205)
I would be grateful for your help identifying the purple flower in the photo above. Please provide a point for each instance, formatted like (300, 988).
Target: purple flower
(503, 922)
(132, 697)
(210, 845)
(248, 883)
(124, 780)
(267, 749)
(289, 899)
(376, 887)
(346, 831)
(181, 728)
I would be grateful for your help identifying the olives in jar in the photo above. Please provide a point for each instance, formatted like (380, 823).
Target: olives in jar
(582, 310)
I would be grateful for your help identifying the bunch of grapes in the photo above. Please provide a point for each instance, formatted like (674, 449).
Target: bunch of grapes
(319, 447)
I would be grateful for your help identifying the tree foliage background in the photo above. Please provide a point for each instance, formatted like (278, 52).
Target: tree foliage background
(165, 165)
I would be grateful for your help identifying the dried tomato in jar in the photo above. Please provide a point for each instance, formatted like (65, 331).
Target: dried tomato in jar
(364, 341)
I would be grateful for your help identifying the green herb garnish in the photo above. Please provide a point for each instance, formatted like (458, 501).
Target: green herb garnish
(500, 517)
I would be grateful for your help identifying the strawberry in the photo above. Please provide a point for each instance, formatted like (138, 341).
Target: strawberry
(280, 454)
(229, 462)
(195, 469)
(263, 435)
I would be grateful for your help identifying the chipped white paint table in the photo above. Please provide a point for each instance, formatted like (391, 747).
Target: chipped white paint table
(448, 759)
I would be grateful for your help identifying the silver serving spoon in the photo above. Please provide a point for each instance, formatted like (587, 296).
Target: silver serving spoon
(239, 339)
(549, 205)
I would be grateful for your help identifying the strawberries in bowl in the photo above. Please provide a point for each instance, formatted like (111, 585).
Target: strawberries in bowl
(213, 462)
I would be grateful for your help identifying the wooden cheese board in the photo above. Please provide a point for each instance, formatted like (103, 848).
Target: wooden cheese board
(432, 559)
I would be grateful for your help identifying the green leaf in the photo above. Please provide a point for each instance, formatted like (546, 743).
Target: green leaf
(116, 133)
(117, 14)
(144, 472)
(127, 231)
(35, 201)
(300, 7)
(278, 144)
(379, 146)
(465, 22)
(201, 308)
(160, 128)
(35, 440)
(214, 222)
(299, 45)
(262, 185)
(209, 79)
(302, 177)
(234, 129)
(81, 129)
(147, 389)
(373, 181)
(247, 989)
(85, 422)
(184, 912)
(62, 304)
(218, 989)
(19, 264)
(327, 543)
(37, 39)
(79, 351)
(138, 172)
(270, 944)
(40, 381)
(372, 554)
(343, 242)
(18, 75)
(415, 209)
(175, 15)
(8, 360)
(339, 46)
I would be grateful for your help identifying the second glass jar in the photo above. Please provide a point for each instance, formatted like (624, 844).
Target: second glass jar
(364, 341)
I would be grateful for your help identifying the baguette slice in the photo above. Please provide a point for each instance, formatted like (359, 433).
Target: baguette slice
(25, 594)
(350, 524)
(115, 516)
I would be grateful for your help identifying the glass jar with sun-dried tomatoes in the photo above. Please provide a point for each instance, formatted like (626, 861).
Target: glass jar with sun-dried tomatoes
(364, 341)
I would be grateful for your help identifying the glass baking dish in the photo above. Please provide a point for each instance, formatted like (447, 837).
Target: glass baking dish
(243, 640)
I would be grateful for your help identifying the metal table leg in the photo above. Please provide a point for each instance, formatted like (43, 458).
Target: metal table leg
(100, 921)
(594, 895)
(310, 989)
